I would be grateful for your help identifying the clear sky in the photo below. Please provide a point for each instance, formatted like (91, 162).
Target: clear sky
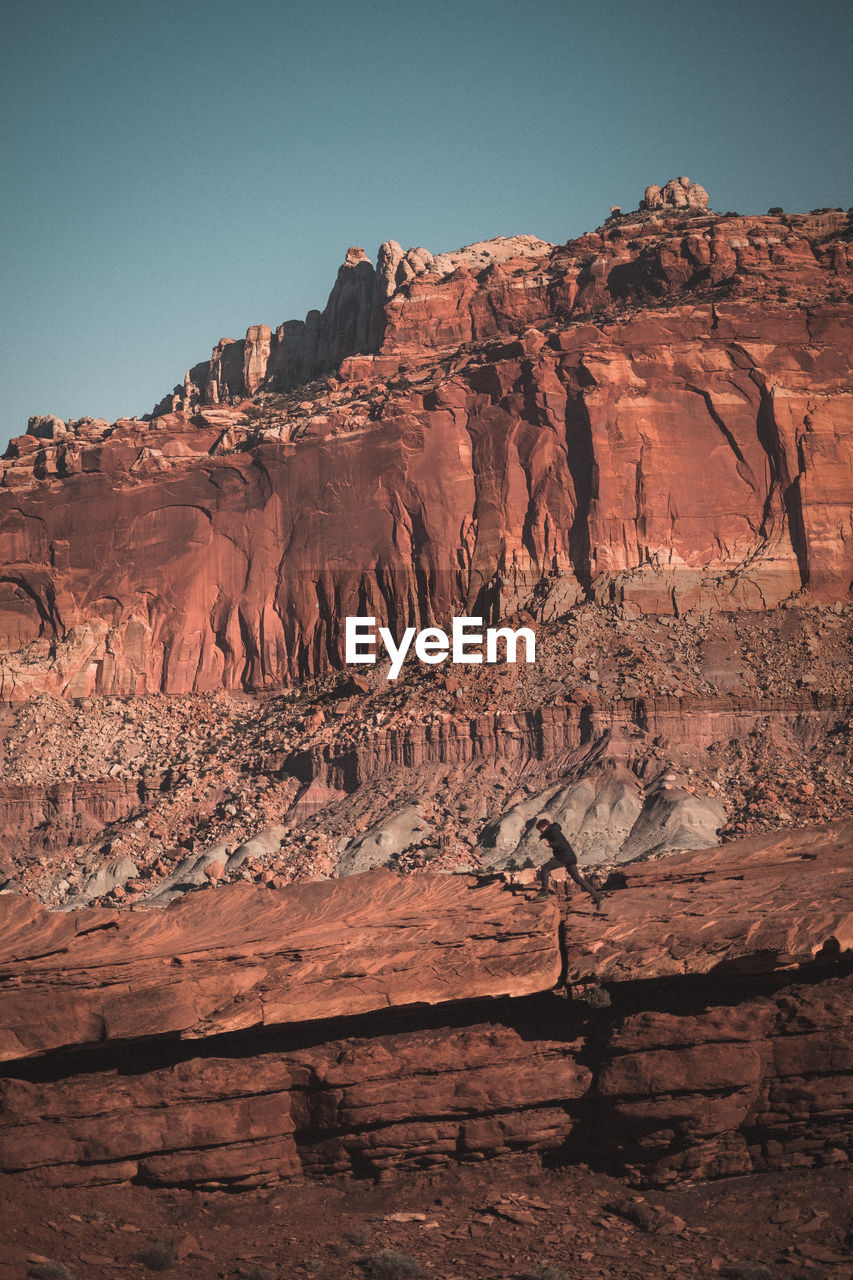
(174, 172)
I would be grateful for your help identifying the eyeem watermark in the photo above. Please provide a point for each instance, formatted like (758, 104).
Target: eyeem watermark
(464, 644)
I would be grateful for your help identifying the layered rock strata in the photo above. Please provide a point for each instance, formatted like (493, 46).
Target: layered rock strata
(551, 733)
(622, 722)
(251, 958)
(707, 1033)
(528, 432)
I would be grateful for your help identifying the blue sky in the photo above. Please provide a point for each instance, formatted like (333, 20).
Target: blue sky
(176, 172)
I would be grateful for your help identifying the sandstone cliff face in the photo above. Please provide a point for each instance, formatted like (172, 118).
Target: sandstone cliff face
(640, 442)
(722, 1045)
(532, 422)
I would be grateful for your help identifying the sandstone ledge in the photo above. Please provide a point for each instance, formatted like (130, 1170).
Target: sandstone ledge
(248, 957)
(766, 903)
(745, 1065)
(245, 957)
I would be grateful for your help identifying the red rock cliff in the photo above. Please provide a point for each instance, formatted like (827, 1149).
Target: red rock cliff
(659, 412)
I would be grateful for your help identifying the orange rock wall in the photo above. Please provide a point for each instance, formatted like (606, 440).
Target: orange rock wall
(766, 1083)
(648, 440)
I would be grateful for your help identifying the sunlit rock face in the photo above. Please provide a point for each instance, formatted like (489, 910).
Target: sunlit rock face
(700, 1030)
(657, 413)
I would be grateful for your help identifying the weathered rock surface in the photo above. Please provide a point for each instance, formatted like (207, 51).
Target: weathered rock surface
(107, 878)
(724, 1090)
(769, 901)
(514, 423)
(678, 193)
(377, 846)
(249, 957)
(164, 781)
(596, 814)
(673, 818)
(607, 820)
(747, 1066)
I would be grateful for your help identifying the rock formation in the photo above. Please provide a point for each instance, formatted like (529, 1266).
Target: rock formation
(678, 193)
(253, 958)
(118, 1066)
(512, 421)
(511, 430)
(257, 967)
(298, 351)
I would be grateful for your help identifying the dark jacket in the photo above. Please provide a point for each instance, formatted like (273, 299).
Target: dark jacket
(560, 846)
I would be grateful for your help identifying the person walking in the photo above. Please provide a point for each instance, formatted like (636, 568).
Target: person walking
(565, 856)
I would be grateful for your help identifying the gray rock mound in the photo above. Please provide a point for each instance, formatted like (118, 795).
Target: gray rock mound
(378, 845)
(673, 819)
(267, 841)
(597, 812)
(188, 874)
(105, 879)
(607, 819)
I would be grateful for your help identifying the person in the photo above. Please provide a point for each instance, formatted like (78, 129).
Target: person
(564, 854)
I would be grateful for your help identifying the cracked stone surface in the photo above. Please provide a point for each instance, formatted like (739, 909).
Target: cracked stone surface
(247, 957)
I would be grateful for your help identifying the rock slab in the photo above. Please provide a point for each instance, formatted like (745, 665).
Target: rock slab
(250, 957)
(706, 1031)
